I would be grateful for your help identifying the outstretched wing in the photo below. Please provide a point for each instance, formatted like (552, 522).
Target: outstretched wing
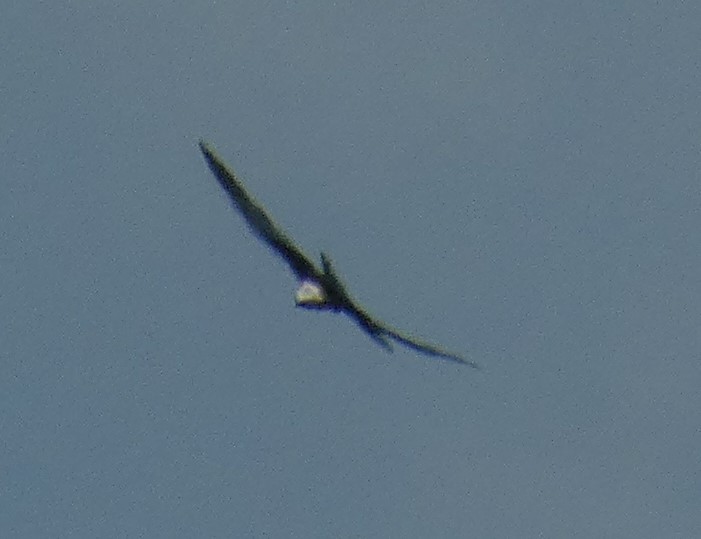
(427, 348)
(380, 332)
(259, 221)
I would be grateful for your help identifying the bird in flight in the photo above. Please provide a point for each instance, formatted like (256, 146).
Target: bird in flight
(320, 288)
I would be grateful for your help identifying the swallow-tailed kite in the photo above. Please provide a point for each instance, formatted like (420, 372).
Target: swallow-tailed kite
(320, 288)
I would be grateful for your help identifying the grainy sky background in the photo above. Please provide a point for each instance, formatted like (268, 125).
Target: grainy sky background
(517, 181)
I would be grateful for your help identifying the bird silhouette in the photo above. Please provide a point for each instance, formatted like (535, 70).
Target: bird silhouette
(320, 287)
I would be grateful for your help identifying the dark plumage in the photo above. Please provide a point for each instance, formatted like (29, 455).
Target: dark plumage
(320, 288)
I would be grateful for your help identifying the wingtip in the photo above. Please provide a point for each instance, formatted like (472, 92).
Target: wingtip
(468, 363)
(455, 358)
(204, 147)
(210, 156)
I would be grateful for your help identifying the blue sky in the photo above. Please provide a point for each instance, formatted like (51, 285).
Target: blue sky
(516, 182)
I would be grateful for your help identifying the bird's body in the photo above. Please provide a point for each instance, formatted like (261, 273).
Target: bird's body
(320, 288)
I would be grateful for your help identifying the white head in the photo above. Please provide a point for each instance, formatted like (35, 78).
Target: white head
(310, 294)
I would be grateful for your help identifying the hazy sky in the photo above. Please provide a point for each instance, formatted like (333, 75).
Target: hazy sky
(515, 181)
